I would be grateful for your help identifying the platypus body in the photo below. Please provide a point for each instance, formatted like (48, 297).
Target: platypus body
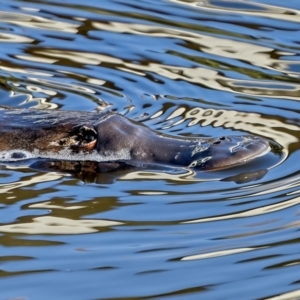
(113, 139)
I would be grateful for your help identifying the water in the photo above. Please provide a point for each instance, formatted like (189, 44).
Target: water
(182, 67)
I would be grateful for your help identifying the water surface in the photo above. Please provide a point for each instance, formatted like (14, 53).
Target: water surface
(183, 67)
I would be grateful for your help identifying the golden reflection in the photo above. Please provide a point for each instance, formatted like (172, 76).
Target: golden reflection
(80, 57)
(189, 175)
(95, 81)
(54, 84)
(213, 45)
(14, 38)
(24, 71)
(176, 113)
(254, 54)
(37, 89)
(287, 67)
(29, 8)
(31, 21)
(6, 187)
(251, 212)
(248, 122)
(272, 187)
(41, 103)
(218, 253)
(157, 114)
(264, 88)
(56, 225)
(259, 9)
(286, 296)
(37, 59)
(151, 193)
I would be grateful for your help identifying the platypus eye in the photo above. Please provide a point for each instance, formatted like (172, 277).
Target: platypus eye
(81, 138)
(87, 134)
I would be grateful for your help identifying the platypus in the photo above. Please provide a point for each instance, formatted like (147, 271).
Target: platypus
(109, 137)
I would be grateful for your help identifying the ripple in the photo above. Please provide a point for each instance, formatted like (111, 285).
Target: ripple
(187, 68)
(38, 22)
(13, 38)
(55, 225)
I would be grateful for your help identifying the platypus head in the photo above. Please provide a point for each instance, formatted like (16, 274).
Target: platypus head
(114, 137)
(110, 137)
(228, 151)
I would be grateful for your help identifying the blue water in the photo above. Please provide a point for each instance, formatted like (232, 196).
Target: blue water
(182, 67)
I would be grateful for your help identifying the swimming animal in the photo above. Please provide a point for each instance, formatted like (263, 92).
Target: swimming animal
(114, 140)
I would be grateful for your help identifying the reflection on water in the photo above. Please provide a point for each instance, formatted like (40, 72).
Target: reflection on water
(183, 67)
(55, 225)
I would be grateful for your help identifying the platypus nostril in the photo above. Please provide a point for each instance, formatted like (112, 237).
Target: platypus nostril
(230, 151)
